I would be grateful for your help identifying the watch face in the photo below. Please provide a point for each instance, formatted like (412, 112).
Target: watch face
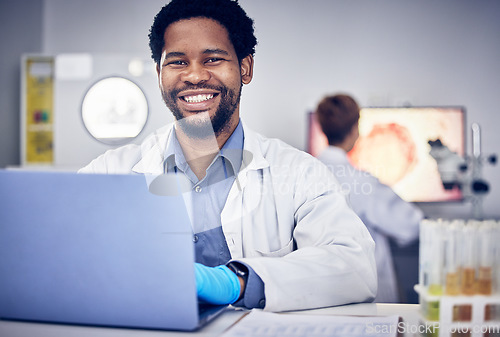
(114, 110)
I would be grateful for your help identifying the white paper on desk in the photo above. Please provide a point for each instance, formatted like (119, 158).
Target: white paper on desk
(259, 323)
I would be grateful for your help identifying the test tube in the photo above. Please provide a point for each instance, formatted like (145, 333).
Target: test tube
(494, 312)
(423, 273)
(436, 254)
(468, 243)
(496, 267)
(423, 270)
(452, 263)
(436, 259)
(486, 257)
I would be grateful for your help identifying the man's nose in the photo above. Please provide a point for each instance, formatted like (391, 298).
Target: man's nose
(195, 74)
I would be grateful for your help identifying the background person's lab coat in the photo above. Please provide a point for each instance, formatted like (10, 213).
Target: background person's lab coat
(385, 214)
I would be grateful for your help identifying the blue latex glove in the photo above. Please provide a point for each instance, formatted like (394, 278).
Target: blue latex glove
(216, 285)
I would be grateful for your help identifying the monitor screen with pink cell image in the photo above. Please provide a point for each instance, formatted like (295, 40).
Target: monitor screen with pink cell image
(393, 146)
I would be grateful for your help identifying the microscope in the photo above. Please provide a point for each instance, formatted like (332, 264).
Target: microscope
(464, 173)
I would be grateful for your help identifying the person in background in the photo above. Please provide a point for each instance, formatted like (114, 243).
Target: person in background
(385, 214)
(271, 228)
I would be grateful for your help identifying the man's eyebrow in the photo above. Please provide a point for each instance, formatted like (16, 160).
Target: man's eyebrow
(174, 54)
(215, 51)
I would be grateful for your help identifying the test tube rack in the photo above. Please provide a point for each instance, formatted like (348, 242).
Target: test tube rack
(464, 316)
(459, 277)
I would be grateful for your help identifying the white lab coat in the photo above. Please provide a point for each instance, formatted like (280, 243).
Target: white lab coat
(385, 214)
(285, 217)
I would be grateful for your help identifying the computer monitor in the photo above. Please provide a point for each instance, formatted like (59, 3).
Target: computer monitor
(393, 146)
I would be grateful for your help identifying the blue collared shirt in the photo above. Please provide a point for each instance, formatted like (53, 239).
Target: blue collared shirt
(208, 196)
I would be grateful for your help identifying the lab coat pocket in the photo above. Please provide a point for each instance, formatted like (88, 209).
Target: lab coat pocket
(277, 253)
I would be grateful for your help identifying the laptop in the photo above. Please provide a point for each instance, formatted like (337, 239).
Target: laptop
(98, 250)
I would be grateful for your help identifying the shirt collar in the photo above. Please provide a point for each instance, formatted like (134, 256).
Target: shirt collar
(232, 151)
(233, 148)
(334, 153)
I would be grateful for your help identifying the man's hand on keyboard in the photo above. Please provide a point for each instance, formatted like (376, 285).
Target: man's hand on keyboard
(217, 285)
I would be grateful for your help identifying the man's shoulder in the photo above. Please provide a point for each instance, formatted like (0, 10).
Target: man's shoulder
(281, 157)
(120, 160)
(123, 159)
(274, 149)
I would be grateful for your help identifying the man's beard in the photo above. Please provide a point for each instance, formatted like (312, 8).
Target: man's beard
(202, 128)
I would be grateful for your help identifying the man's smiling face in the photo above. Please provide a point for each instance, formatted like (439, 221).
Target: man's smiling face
(200, 77)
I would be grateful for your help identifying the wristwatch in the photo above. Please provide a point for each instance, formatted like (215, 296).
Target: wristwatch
(241, 271)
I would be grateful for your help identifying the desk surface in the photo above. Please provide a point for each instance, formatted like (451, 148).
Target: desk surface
(409, 313)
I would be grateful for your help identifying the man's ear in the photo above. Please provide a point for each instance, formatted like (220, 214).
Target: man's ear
(158, 69)
(246, 66)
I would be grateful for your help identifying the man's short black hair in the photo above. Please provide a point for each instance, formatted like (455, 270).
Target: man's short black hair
(227, 12)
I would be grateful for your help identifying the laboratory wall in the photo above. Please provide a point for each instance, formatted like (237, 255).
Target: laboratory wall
(20, 32)
(385, 52)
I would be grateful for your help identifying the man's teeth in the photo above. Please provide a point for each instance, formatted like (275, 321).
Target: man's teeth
(198, 98)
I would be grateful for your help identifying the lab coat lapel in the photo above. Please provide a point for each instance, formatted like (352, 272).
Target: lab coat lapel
(153, 152)
(246, 191)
